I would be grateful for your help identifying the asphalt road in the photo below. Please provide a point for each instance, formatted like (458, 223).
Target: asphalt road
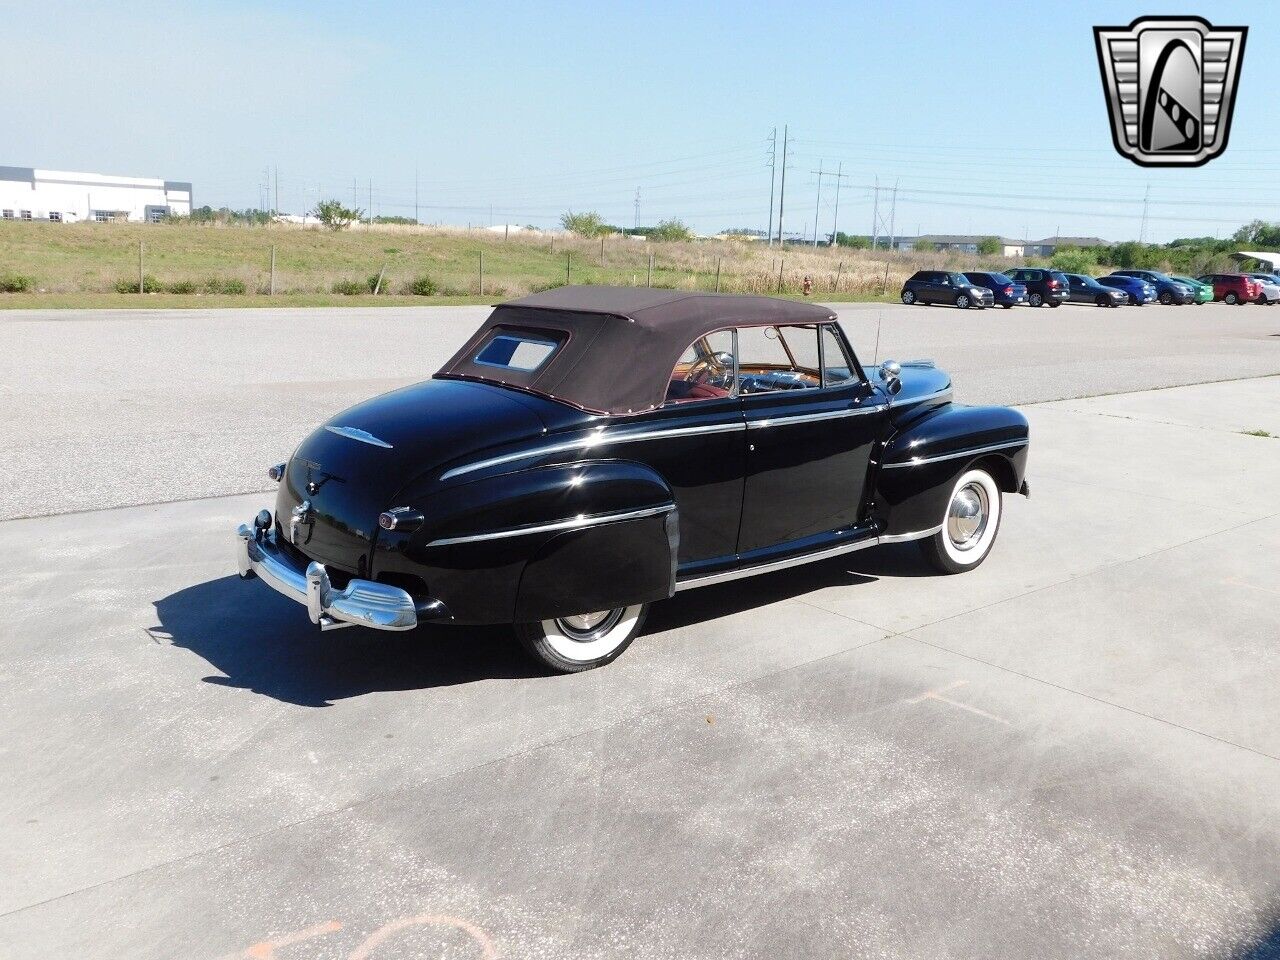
(1073, 751)
(110, 408)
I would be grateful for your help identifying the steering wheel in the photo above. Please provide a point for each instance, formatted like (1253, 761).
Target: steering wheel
(715, 369)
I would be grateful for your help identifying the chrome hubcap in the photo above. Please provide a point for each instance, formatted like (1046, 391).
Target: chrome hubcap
(967, 517)
(585, 627)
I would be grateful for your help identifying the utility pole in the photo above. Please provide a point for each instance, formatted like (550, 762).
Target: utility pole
(773, 178)
(835, 217)
(875, 215)
(354, 199)
(782, 194)
(637, 227)
(369, 216)
(893, 210)
(415, 193)
(275, 206)
(1142, 231)
(816, 201)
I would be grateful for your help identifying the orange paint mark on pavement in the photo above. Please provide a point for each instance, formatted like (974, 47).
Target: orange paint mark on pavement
(938, 695)
(266, 949)
(365, 950)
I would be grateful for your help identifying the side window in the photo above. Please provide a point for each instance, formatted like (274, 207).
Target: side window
(705, 371)
(778, 358)
(837, 368)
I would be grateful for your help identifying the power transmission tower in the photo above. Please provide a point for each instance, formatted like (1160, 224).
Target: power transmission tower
(415, 193)
(1142, 230)
(275, 206)
(877, 222)
(816, 201)
(637, 227)
(893, 210)
(875, 215)
(773, 179)
(782, 193)
(835, 217)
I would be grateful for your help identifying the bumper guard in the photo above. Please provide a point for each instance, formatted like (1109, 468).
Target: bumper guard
(364, 603)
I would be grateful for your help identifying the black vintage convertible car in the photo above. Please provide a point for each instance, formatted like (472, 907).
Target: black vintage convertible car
(592, 450)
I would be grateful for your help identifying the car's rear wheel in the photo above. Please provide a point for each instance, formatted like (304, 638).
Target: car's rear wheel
(908, 297)
(1231, 298)
(1007, 306)
(1055, 303)
(1166, 298)
(969, 525)
(962, 301)
(1035, 299)
(586, 640)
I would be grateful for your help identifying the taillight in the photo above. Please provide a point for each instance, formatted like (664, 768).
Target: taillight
(1008, 291)
(1053, 284)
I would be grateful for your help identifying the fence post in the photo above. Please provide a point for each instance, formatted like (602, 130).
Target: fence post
(781, 266)
(377, 287)
(648, 279)
(273, 270)
(718, 259)
(482, 273)
(141, 247)
(835, 288)
(568, 257)
(602, 249)
(506, 229)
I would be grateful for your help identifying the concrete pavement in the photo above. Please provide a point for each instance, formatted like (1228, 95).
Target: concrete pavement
(1073, 751)
(113, 408)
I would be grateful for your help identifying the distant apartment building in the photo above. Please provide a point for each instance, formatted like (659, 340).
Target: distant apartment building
(963, 243)
(1051, 245)
(63, 197)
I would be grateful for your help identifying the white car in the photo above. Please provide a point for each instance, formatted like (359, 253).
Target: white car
(1270, 287)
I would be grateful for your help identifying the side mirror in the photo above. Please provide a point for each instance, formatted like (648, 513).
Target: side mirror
(891, 374)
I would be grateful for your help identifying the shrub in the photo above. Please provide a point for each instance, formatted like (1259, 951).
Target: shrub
(16, 283)
(371, 284)
(1074, 261)
(589, 224)
(149, 285)
(349, 288)
(228, 286)
(182, 286)
(543, 287)
(334, 215)
(422, 286)
(671, 230)
(990, 246)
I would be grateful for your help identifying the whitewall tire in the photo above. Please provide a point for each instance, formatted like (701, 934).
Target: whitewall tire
(571, 644)
(969, 524)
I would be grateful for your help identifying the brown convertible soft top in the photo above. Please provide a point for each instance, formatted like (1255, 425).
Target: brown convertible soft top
(618, 345)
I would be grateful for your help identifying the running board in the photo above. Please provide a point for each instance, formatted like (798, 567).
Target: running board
(797, 560)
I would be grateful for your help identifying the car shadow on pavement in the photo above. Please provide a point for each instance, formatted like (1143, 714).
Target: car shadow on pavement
(264, 642)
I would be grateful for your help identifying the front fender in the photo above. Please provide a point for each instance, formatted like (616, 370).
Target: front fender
(919, 465)
(515, 546)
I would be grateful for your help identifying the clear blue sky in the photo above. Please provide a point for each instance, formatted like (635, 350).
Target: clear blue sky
(991, 118)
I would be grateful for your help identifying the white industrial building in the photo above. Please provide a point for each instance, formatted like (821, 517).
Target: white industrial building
(63, 197)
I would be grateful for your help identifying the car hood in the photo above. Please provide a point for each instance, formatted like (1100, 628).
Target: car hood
(924, 386)
(351, 468)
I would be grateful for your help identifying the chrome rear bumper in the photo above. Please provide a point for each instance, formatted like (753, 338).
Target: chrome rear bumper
(364, 603)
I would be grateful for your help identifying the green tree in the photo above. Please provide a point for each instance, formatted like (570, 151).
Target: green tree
(589, 224)
(671, 230)
(923, 246)
(1074, 260)
(334, 215)
(990, 246)
(853, 242)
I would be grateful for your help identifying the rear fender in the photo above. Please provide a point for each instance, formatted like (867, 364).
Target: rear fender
(919, 465)
(541, 534)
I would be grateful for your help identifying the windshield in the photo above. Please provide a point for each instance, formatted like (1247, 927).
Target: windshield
(960, 280)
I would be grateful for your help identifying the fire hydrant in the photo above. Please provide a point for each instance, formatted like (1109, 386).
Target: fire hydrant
(808, 286)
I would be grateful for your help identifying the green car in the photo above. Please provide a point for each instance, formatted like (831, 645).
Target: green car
(1203, 291)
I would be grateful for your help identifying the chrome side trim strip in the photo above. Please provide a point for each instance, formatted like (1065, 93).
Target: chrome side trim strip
(803, 558)
(591, 520)
(364, 436)
(968, 452)
(945, 392)
(595, 440)
(811, 417)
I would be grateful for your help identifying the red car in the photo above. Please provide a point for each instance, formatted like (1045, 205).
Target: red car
(1232, 287)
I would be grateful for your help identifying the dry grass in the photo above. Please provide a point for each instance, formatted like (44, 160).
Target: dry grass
(81, 263)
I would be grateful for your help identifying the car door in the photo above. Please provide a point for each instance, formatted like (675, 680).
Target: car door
(807, 447)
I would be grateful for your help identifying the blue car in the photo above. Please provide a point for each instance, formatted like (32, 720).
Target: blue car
(1139, 291)
(1168, 290)
(1007, 293)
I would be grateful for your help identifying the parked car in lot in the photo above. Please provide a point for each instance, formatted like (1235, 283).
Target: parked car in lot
(1084, 289)
(1232, 287)
(1007, 292)
(1140, 292)
(1168, 290)
(1270, 287)
(942, 286)
(1203, 291)
(593, 450)
(1043, 286)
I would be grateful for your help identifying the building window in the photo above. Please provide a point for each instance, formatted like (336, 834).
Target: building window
(156, 214)
(8, 214)
(55, 217)
(102, 216)
(25, 214)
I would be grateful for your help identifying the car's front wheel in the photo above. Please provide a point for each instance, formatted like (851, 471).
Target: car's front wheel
(1166, 298)
(908, 297)
(1035, 299)
(969, 526)
(962, 301)
(586, 640)
(1103, 301)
